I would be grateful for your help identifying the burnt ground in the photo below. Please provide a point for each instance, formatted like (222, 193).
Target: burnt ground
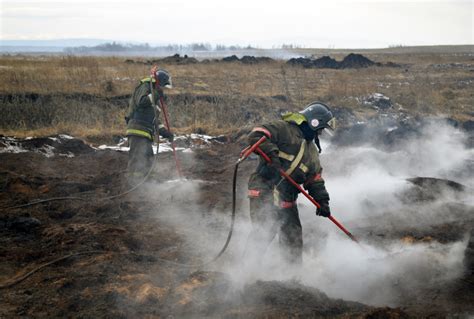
(122, 273)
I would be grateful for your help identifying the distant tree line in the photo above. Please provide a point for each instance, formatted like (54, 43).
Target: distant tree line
(118, 47)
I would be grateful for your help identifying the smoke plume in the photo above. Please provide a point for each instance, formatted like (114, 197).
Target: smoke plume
(371, 196)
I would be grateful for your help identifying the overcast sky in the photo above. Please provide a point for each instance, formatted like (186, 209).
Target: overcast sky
(310, 23)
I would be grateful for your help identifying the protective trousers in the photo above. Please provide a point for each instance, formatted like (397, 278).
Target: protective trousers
(269, 220)
(140, 158)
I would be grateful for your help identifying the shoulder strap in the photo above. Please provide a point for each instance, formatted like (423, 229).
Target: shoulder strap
(294, 164)
(297, 159)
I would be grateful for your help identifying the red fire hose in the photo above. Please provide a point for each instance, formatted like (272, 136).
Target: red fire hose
(165, 114)
(255, 148)
(167, 123)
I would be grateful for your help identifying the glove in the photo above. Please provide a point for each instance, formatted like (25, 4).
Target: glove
(324, 210)
(271, 171)
(166, 134)
(161, 94)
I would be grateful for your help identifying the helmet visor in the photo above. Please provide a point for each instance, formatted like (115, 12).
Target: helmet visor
(169, 85)
(332, 123)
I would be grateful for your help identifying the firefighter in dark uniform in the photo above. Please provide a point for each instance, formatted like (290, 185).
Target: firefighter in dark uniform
(291, 145)
(143, 123)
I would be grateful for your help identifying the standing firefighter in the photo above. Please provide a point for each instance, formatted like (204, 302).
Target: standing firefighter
(290, 146)
(143, 123)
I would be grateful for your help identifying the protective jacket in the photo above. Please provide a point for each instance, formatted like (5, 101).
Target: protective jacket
(142, 120)
(298, 157)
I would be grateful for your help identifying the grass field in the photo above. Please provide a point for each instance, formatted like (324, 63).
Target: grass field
(87, 96)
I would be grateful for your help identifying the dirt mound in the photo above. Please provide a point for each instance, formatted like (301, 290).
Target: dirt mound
(296, 299)
(275, 299)
(351, 61)
(427, 189)
(355, 61)
(304, 62)
(177, 59)
(247, 59)
(326, 62)
(173, 59)
(437, 184)
(232, 58)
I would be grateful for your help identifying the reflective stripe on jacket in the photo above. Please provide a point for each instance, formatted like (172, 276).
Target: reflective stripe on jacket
(142, 119)
(139, 133)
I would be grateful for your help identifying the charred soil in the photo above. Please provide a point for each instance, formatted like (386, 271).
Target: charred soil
(126, 258)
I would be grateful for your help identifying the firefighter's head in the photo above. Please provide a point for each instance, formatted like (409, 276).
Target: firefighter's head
(319, 116)
(163, 79)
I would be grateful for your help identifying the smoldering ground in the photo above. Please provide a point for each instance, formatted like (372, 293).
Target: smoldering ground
(370, 192)
(401, 254)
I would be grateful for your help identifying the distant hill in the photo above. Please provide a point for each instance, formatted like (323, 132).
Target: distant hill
(46, 45)
(203, 50)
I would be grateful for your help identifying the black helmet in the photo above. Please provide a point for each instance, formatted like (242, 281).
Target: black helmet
(163, 78)
(319, 116)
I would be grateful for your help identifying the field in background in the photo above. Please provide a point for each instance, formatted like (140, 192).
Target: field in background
(400, 186)
(88, 96)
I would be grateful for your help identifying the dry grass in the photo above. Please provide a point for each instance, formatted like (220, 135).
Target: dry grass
(219, 97)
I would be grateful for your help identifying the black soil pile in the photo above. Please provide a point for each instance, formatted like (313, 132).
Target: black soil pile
(177, 59)
(351, 61)
(355, 61)
(326, 62)
(232, 58)
(173, 59)
(304, 62)
(247, 59)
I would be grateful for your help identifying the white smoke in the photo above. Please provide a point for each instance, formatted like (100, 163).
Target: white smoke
(368, 194)
(379, 276)
(367, 187)
(363, 181)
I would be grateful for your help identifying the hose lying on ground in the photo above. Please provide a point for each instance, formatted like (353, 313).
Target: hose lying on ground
(229, 235)
(44, 201)
(219, 254)
(88, 198)
(16, 280)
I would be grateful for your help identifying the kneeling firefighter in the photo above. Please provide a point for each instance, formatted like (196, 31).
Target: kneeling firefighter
(143, 122)
(291, 145)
